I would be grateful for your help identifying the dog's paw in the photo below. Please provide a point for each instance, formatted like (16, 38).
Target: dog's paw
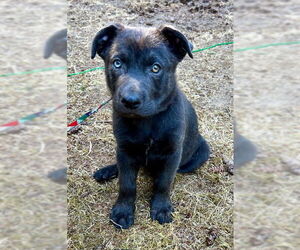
(162, 212)
(107, 173)
(122, 216)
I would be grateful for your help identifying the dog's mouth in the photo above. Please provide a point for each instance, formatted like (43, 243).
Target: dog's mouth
(126, 112)
(131, 115)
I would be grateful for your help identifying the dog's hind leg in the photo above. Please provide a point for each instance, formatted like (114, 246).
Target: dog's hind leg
(107, 173)
(200, 156)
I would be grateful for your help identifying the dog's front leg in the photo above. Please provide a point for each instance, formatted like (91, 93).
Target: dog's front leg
(122, 214)
(161, 206)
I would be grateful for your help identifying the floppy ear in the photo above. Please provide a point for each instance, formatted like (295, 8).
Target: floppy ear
(57, 43)
(177, 42)
(104, 39)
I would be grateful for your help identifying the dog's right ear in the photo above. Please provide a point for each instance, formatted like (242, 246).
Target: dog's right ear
(104, 39)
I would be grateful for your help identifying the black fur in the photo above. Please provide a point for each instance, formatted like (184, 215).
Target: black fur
(154, 124)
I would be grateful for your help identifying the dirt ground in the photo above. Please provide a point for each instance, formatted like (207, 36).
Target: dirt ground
(266, 107)
(203, 201)
(33, 209)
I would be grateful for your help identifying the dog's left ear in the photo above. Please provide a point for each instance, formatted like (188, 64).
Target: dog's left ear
(177, 42)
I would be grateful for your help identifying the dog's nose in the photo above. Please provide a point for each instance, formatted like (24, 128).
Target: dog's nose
(131, 101)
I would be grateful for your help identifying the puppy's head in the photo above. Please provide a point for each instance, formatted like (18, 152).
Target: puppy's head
(140, 66)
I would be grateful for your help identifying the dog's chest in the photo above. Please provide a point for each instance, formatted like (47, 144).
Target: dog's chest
(147, 141)
(158, 150)
(147, 151)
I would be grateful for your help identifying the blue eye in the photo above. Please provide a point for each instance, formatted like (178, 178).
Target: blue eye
(117, 63)
(155, 68)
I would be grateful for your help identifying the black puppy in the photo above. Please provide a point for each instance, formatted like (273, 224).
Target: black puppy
(154, 124)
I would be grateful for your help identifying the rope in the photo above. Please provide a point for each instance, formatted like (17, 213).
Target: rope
(32, 71)
(19, 123)
(194, 51)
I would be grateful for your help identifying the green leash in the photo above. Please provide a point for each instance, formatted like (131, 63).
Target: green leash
(32, 71)
(194, 51)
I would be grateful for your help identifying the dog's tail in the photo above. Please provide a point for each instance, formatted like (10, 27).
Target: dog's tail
(200, 156)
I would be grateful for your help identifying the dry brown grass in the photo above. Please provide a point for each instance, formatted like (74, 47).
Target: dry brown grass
(203, 201)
